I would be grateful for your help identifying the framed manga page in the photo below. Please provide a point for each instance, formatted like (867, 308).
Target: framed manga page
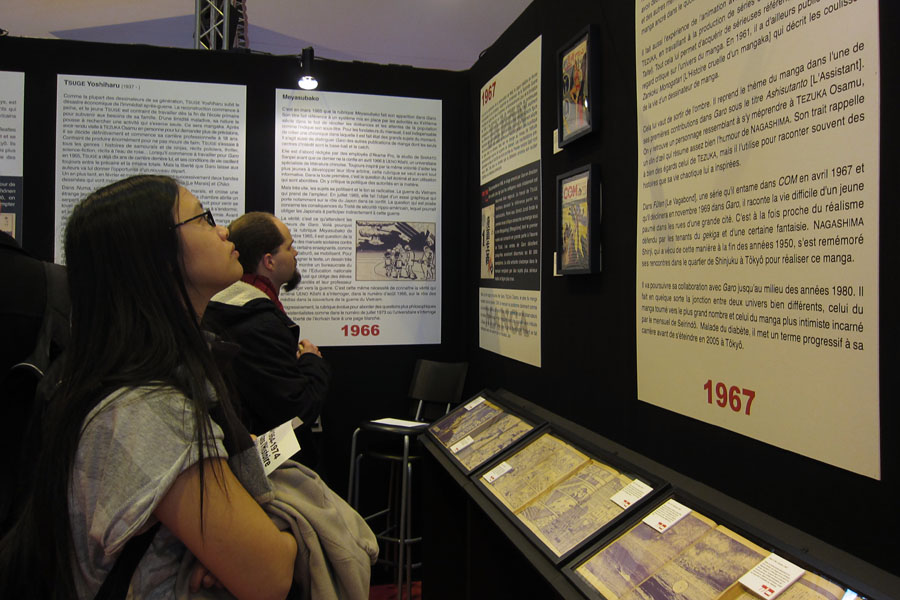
(578, 211)
(561, 496)
(575, 87)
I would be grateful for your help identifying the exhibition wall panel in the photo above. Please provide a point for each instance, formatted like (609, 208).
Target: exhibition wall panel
(592, 359)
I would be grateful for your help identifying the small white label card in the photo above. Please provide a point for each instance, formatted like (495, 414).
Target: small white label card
(631, 493)
(278, 445)
(497, 472)
(771, 576)
(474, 402)
(669, 513)
(399, 422)
(463, 443)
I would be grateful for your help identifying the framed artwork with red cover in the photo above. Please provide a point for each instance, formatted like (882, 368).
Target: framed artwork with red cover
(575, 87)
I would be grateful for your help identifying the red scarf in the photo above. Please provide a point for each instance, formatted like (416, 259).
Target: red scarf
(264, 285)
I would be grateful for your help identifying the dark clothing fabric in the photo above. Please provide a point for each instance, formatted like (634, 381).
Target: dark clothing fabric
(23, 295)
(264, 284)
(273, 385)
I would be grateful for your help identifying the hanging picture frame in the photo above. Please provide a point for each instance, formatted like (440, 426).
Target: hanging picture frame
(575, 87)
(578, 213)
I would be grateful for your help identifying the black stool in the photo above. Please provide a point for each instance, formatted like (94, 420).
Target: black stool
(435, 387)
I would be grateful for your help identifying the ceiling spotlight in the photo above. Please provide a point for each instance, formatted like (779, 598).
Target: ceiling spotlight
(307, 80)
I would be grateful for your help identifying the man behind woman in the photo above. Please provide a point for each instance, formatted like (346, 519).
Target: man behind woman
(142, 425)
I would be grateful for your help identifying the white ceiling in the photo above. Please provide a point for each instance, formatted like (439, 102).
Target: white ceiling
(440, 34)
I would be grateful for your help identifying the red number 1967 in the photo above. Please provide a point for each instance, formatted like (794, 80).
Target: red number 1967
(729, 396)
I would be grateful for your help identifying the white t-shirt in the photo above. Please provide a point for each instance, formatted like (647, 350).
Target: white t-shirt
(134, 444)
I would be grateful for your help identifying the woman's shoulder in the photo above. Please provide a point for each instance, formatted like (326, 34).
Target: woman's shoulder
(156, 397)
(145, 408)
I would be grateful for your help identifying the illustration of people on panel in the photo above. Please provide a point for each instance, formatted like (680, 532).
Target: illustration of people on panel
(568, 244)
(395, 250)
(398, 260)
(388, 263)
(408, 260)
(428, 260)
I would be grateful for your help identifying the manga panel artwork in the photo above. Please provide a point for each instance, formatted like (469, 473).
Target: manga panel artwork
(575, 222)
(395, 251)
(534, 469)
(476, 434)
(576, 508)
(640, 552)
(575, 86)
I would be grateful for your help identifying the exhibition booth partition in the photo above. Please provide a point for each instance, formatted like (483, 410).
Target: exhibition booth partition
(544, 284)
(677, 400)
(93, 113)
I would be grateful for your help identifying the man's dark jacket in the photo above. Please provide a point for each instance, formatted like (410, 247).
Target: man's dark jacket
(273, 384)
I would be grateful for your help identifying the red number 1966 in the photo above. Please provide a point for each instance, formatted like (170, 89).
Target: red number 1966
(363, 330)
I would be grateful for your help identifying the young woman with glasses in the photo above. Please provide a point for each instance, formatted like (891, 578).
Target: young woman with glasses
(140, 427)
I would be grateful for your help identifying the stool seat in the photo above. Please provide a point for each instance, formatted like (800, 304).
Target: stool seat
(394, 429)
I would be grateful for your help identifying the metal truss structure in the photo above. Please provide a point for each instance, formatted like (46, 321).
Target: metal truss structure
(220, 24)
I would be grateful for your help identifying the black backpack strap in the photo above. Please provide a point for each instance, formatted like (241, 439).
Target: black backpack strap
(118, 580)
(54, 332)
(56, 313)
(21, 408)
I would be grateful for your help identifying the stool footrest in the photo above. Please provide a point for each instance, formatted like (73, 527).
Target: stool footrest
(375, 515)
(394, 540)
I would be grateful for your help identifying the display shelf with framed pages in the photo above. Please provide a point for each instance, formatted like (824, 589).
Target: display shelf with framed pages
(549, 494)
(478, 430)
(563, 496)
(680, 546)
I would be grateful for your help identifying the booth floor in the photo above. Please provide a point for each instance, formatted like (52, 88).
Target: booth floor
(388, 591)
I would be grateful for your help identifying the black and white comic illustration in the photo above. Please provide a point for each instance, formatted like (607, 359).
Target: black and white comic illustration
(395, 250)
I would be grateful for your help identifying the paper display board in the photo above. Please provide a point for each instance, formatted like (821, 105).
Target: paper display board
(12, 123)
(358, 183)
(509, 301)
(111, 127)
(757, 233)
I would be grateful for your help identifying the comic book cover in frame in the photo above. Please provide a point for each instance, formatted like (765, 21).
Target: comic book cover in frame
(575, 87)
(579, 206)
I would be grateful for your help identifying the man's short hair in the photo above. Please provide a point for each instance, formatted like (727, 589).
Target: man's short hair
(254, 235)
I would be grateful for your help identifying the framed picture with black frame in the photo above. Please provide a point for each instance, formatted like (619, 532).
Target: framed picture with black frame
(477, 430)
(677, 533)
(578, 212)
(575, 86)
(562, 496)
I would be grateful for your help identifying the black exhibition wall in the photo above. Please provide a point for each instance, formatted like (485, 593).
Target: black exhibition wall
(588, 344)
(588, 372)
(367, 382)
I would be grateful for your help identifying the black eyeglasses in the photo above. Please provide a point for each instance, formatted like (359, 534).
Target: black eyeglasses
(207, 214)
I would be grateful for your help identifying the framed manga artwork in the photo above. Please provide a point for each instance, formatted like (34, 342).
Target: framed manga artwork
(578, 211)
(575, 62)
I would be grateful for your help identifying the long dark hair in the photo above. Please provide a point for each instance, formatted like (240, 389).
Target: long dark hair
(132, 325)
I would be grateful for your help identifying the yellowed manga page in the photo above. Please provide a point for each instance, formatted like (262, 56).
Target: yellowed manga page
(458, 424)
(539, 466)
(703, 570)
(639, 553)
(578, 507)
(491, 439)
